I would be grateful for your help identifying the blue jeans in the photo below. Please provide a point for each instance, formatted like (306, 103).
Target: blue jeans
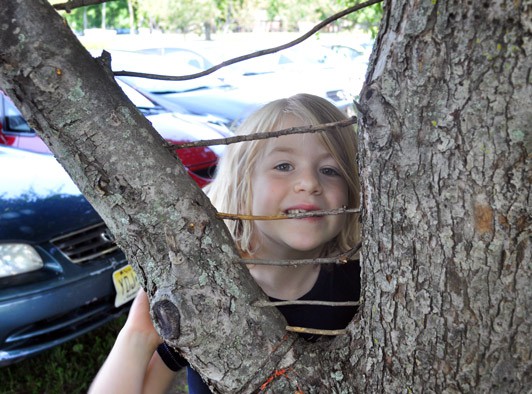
(195, 383)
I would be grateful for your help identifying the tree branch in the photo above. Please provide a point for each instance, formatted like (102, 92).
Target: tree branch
(71, 4)
(323, 212)
(340, 259)
(314, 331)
(263, 304)
(265, 135)
(263, 52)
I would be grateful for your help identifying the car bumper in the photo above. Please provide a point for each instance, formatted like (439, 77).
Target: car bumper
(36, 321)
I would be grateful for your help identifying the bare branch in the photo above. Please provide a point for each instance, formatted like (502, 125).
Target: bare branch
(263, 52)
(315, 331)
(71, 4)
(340, 259)
(264, 304)
(322, 212)
(270, 134)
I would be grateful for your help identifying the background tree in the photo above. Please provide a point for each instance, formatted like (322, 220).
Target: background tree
(177, 15)
(293, 12)
(118, 14)
(445, 158)
(367, 19)
(222, 15)
(236, 15)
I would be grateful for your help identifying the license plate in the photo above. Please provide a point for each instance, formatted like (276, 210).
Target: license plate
(126, 285)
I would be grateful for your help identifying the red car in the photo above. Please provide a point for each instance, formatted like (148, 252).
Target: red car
(173, 127)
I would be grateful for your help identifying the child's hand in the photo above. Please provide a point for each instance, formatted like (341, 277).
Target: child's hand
(127, 366)
(139, 320)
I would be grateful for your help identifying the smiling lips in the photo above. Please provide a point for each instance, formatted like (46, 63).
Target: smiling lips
(303, 209)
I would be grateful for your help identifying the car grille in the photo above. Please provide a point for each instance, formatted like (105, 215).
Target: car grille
(86, 244)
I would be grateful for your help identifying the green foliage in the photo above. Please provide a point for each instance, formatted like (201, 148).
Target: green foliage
(241, 15)
(187, 16)
(116, 16)
(182, 16)
(274, 9)
(68, 368)
(292, 12)
(367, 19)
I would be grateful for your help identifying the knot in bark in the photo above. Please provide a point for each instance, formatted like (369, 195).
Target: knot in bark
(168, 319)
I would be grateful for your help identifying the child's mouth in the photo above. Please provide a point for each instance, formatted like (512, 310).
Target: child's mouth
(296, 211)
(302, 212)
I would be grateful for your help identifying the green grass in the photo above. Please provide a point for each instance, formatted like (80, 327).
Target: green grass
(68, 368)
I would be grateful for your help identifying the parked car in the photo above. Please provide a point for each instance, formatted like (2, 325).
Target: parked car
(356, 59)
(15, 131)
(61, 273)
(231, 100)
(205, 96)
(185, 56)
(321, 69)
(174, 127)
(308, 67)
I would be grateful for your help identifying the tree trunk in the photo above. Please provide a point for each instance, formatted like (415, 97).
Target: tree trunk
(446, 169)
(444, 150)
(131, 11)
(184, 256)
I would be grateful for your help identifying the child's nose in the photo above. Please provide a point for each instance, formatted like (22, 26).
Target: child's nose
(308, 181)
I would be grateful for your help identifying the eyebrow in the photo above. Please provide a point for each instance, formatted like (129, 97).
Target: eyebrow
(282, 149)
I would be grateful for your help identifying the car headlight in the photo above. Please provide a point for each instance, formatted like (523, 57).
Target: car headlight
(17, 259)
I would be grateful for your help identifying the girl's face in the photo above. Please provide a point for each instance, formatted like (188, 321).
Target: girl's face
(294, 174)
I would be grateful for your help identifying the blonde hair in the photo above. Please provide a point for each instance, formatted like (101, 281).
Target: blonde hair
(231, 190)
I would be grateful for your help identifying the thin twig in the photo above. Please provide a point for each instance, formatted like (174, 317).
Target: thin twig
(315, 331)
(264, 304)
(71, 4)
(265, 135)
(263, 52)
(340, 259)
(323, 212)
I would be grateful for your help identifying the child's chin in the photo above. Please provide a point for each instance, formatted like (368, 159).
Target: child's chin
(306, 248)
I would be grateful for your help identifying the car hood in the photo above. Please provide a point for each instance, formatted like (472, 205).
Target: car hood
(38, 200)
(185, 128)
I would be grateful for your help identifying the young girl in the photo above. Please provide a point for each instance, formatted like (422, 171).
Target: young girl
(285, 175)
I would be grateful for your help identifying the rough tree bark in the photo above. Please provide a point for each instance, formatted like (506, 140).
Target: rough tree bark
(445, 163)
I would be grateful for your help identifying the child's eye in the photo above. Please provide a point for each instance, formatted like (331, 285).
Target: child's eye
(283, 167)
(329, 171)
